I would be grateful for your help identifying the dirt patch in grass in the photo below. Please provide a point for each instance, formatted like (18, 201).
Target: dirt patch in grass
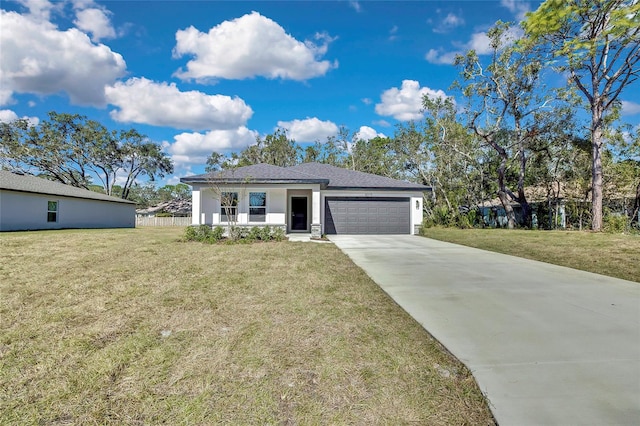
(615, 255)
(136, 327)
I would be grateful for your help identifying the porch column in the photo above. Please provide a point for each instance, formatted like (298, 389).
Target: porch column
(195, 207)
(316, 227)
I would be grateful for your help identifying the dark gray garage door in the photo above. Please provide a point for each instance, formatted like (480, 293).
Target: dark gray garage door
(367, 215)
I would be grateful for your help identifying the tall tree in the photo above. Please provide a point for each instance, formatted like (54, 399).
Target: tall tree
(599, 44)
(73, 150)
(504, 99)
(139, 157)
(458, 162)
(374, 156)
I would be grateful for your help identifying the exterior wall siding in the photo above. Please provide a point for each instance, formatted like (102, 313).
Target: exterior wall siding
(27, 211)
(207, 209)
(206, 204)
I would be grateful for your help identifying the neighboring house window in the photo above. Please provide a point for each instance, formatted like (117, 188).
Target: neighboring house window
(52, 211)
(257, 207)
(229, 206)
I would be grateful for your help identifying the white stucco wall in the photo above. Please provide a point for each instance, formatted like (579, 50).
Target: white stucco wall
(206, 204)
(27, 211)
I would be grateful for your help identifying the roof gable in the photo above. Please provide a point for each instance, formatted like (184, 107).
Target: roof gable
(33, 184)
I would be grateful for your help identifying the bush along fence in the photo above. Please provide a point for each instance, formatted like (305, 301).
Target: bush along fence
(163, 221)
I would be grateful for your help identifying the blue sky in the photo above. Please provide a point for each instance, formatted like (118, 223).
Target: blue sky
(199, 76)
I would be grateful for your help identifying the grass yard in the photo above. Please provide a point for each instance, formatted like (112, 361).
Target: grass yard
(616, 255)
(133, 326)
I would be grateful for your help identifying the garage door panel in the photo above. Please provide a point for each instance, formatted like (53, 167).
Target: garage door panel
(380, 215)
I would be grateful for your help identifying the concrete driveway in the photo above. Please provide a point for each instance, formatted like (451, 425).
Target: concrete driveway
(548, 345)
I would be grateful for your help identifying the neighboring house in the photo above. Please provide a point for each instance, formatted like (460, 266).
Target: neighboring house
(175, 208)
(311, 198)
(30, 203)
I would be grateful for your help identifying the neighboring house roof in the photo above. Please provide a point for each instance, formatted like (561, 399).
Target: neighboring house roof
(329, 177)
(181, 207)
(33, 184)
(340, 178)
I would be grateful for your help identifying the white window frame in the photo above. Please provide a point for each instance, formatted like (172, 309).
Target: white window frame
(224, 218)
(55, 211)
(258, 207)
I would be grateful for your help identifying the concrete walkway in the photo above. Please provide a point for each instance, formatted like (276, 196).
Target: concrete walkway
(548, 345)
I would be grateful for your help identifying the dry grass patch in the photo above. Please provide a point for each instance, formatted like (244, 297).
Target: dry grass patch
(135, 327)
(615, 255)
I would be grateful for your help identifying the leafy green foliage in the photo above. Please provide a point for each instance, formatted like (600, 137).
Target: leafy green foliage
(598, 45)
(71, 149)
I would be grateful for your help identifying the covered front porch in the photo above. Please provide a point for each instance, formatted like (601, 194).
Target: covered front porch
(296, 208)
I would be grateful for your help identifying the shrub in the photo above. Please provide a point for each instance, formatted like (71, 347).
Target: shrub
(463, 221)
(237, 233)
(190, 233)
(254, 233)
(265, 233)
(202, 233)
(216, 234)
(616, 224)
(278, 234)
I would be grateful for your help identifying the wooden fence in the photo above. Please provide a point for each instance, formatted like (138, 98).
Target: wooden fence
(162, 221)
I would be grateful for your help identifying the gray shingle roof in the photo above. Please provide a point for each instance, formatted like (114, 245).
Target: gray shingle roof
(257, 173)
(28, 183)
(327, 176)
(340, 178)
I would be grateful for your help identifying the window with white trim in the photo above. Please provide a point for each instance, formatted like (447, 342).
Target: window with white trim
(229, 207)
(257, 207)
(52, 211)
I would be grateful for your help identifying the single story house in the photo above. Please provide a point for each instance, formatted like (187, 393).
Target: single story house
(30, 203)
(308, 198)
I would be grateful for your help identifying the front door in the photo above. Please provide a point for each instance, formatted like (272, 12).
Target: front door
(298, 213)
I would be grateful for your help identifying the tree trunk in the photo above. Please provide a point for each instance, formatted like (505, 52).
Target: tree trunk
(636, 207)
(596, 167)
(504, 197)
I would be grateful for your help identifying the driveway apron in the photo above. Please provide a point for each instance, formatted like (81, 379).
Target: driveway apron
(547, 345)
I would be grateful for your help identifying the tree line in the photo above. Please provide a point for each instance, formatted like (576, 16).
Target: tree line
(71, 149)
(509, 131)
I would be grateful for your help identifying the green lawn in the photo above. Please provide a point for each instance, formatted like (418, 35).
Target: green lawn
(616, 255)
(135, 327)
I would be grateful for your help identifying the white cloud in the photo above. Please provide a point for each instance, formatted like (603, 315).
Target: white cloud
(161, 104)
(448, 23)
(250, 46)
(393, 33)
(7, 116)
(405, 104)
(355, 5)
(478, 41)
(630, 108)
(39, 10)
(195, 148)
(367, 101)
(518, 7)
(38, 58)
(309, 129)
(367, 133)
(440, 57)
(382, 123)
(96, 22)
